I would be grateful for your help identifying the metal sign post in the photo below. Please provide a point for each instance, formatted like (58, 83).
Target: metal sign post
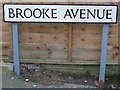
(103, 57)
(16, 64)
(15, 39)
(105, 31)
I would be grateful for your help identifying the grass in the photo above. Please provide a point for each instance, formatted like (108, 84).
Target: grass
(87, 71)
(82, 69)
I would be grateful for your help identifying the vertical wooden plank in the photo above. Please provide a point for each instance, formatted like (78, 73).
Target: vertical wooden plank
(10, 38)
(70, 32)
(119, 40)
(16, 64)
(10, 43)
(103, 52)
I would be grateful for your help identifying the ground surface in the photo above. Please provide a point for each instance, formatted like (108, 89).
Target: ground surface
(9, 80)
(52, 76)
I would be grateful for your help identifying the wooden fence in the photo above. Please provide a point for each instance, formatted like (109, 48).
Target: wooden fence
(59, 43)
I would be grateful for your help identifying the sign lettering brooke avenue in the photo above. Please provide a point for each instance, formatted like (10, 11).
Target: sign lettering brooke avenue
(60, 13)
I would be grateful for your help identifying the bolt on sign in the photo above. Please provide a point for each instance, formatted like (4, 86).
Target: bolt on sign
(60, 13)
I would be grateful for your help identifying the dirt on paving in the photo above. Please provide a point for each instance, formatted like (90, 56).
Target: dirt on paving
(31, 78)
(41, 73)
(54, 79)
(40, 76)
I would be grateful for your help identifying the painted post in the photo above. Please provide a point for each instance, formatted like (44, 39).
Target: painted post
(103, 57)
(16, 64)
(105, 31)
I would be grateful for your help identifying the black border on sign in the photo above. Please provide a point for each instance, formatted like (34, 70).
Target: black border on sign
(62, 5)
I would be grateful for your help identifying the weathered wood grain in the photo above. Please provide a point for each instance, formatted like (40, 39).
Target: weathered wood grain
(4, 36)
(43, 38)
(40, 46)
(5, 27)
(44, 54)
(54, 28)
(70, 41)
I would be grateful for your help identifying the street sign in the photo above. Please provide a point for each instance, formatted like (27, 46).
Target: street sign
(60, 13)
